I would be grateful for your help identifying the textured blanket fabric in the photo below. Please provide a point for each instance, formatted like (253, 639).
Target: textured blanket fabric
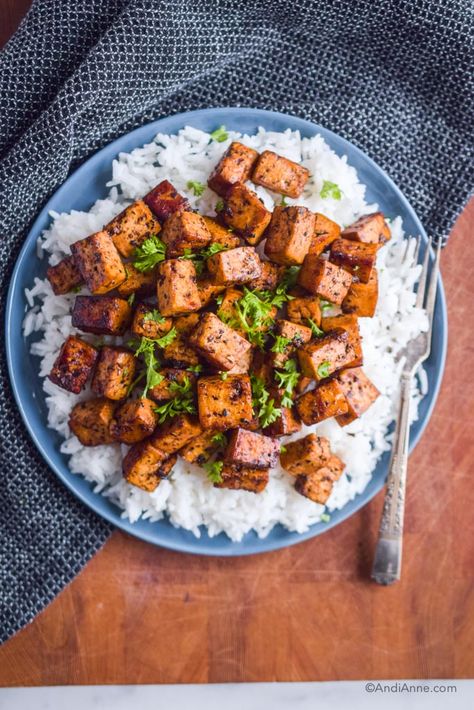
(391, 76)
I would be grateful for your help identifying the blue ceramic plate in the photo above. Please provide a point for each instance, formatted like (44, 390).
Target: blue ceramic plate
(79, 192)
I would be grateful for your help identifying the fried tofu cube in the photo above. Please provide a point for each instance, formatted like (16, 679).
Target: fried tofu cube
(235, 166)
(139, 282)
(325, 232)
(102, 315)
(247, 448)
(149, 323)
(320, 358)
(225, 404)
(302, 309)
(73, 365)
(167, 388)
(164, 200)
(220, 345)
(270, 275)
(145, 467)
(318, 486)
(279, 174)
(208, 290)
(243, 478)
(133, 421)
(99, 262)
(244, 363)
(170, 437)
(176, 287)
(370, 229)
(184, 231)
(324, 279)
(221, 235)
(180, 354)
(349, 323)
(245, 213)
(288, 338)
(114, 373)
(287, 423)
(236, 266)
(186, 324)
(200, 449)
(65, 276)
(131, 227)
(262, 367)
(305, 456)
(358, 258)
(359, 392)
(289, 235)
(361, 299)
(90, 421)
(325, 401)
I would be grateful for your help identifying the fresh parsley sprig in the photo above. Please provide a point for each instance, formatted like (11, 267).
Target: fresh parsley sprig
(200, 257)
(150, 253)
(213, 470)
(280, 344)
(182, 402)
(197, 187)
(287, 379)
(219, 135)
(154, 315)
(146, 348)
(330, 189)
(263, 404)
(315, 329)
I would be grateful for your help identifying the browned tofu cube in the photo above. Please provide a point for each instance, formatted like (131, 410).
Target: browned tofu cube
(325, 232)
(370, 229)
(302, 309)
(99, 262)
(247, 448)
(288, 338)
(163, 200)
(279, 174)
(287, 423)
(172, 377)
(235, 166)
(208, 290)
(73, 365)
(176, 288)
(318, 486)
(134, 420)
(145, 467)
(220, 345)
(325, 401)
(324, 279)
(102, 315)
(184, 231)
(359, 392)
(349, 323)
(262, 367)
(186, 324)
(270, 275)
(245, 213)
(303, 384)
(200, 449)
(244, 363)
(141, 282)
(131, 227)
(90, 421)
(235, 266)
(114, 373)
(175, 433)
(306, 455)
(225, 404)
(320, 358)
(361, 299)
(242, 478)
(65, 276)
(289, 235)
(149, 323)
(357, 258)
(180, 354)
(220, 234)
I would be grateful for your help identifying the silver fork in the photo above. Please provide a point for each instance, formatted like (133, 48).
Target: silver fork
(388, 554)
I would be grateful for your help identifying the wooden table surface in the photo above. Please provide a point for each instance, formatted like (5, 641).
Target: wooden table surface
(138, 614)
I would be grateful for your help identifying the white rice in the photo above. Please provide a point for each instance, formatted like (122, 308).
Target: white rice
(188, 498)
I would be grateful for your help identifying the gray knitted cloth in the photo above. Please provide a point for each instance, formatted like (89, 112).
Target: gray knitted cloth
(391, 76)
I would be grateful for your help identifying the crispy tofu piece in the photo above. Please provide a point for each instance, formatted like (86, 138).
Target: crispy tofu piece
(325, 232)
(65, 276)
(262, 367)
(148, 322)
(235, 166)
(221, 235)
(208, 290)
(244, 363)
(180, 354)
(172, 376)
(325, 401)
(102, 315)
(245, 213)
(361, 299)
(164, 200)
(324, 279)
(131, 227)
(358, 258)
(289, 235)
(249, 449)
(73, 365)
(243, 478)
(176, 287)
(170, 437)
(350, 323)
(114, 373)
(359, 392)
(305, 456)
(99, 262)
(90, 421)
(279, 174)
(296, 335)
(318, 486)
(200, 449)
(286, 424)
(225, 404)
(145, 467)
(303, 384)
(134, 420)
(370, 229)
(184, 231)
(269, 278)
(236, 266)
(302, 309)
(140, 282)
(220, 345)
(320, 358)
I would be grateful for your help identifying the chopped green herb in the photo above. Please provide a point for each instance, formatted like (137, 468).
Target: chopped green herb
(219, 206)
(149, 254)
(135, 382)
(330, 189)
(324, 518)
(183, 402)
(76, 289)
(199, 258)
(219, 299)
(224, 376)
(325, 305)
(323, 369)
(287, 380)
(154, 315)
(263, 405)
(213, 471)
(315, 329)
(131, 299)
(283, 202)
(282, 449)
(167, 339)
(195, 368)
(197, 187)
(146, 348)
(280, 344)
(219, 439)
(219, 135)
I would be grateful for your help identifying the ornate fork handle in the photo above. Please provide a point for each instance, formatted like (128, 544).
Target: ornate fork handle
(388, 553)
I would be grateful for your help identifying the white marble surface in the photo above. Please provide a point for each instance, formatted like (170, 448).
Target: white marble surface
(243, 696)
